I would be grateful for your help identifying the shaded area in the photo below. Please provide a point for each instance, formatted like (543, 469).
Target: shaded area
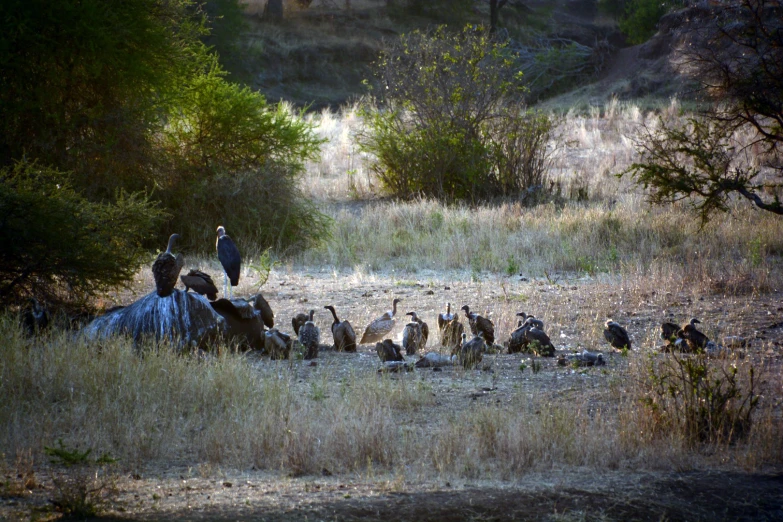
(686, 496)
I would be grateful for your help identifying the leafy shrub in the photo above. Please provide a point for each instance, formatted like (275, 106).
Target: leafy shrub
(453, 124)
(81, 490)
(704, 401)
(235, 162)
(56, 244)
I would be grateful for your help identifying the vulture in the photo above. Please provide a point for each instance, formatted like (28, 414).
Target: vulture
(200, 282)
(297, 321)
(472, 351)
(229, 257)
(445, 318)
(310, 337)
(542, 345)
(531, 320)
(425, 329)
(695, 339)
(277, 344)
(388, 351)
(262, 307)
(517, 343)
(35, 317)
(342, 331)
(412, 336)
(451, 336)
(616, 335)
(669, 332)
(480, 324)
(166, 269)
(381, 326)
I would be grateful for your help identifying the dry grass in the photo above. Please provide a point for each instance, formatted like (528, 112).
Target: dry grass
(596, 251)
(598, 223)
(156, 407)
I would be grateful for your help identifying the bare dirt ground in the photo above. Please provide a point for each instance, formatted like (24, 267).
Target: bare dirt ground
(574, 310)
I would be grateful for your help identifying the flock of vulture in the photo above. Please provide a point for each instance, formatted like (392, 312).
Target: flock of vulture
(250, 320)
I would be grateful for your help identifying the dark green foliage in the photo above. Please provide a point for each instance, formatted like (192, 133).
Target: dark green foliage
(235, 162)
(126, 98)
(638, 19)
(704, 401)
(83, 84)
(56, 244)
(453, 123)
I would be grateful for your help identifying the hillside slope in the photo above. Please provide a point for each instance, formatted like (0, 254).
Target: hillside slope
(320, 56)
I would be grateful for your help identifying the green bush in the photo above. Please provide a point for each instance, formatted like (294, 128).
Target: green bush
(235, 162)
(703, 400)
(127, 98)
(452, 122)
(57, 245)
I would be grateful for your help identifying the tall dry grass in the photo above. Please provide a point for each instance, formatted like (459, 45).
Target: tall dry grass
(595, 222)
(156, 408)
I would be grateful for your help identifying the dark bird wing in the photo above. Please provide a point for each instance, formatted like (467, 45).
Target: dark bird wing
(262, 306)
(201, 283)
(165, 270)
(297, 321)
(487, 328)
(344, 337)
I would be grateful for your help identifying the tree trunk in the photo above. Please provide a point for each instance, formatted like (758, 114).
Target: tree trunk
(494, 9)
(274, 10)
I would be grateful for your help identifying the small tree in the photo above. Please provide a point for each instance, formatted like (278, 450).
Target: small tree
(453, 123)
(736, 52)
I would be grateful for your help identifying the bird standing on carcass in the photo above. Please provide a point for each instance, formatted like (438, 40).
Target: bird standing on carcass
(166, 269)
(200, 282)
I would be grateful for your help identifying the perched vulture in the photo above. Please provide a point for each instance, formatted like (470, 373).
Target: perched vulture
(310, 337)
(166, 269)
(480, 324)
(200, 282)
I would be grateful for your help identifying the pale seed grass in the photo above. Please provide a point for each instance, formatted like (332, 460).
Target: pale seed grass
(155, 407)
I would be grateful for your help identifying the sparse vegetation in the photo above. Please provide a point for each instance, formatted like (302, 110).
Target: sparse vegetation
(702, 400)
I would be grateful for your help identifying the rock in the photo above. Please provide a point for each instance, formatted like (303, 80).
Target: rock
(184, 318)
